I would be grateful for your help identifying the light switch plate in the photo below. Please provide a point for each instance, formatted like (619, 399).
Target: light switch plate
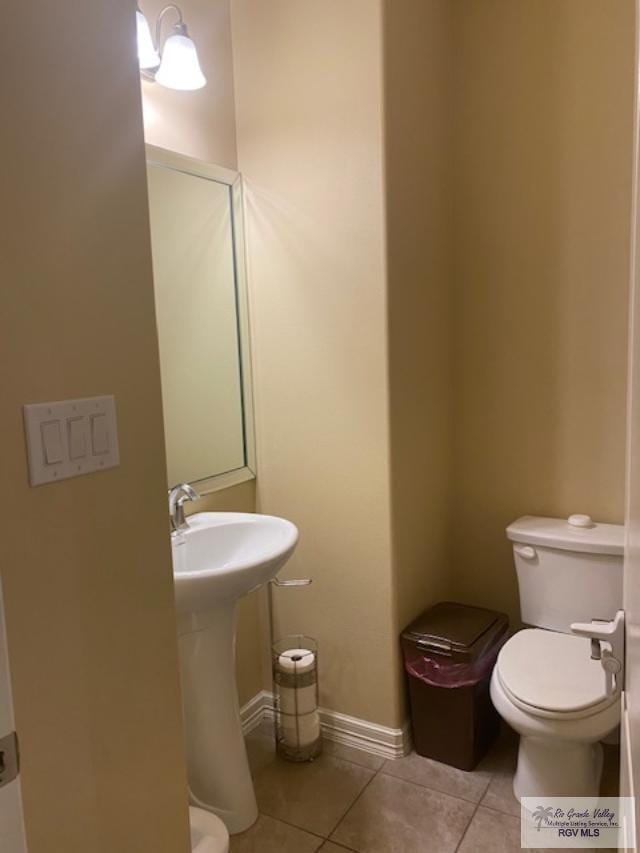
(77, 420)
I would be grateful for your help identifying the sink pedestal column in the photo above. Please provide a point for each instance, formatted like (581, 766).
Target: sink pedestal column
(218, 769)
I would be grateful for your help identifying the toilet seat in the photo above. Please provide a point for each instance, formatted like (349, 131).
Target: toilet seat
(550, 674)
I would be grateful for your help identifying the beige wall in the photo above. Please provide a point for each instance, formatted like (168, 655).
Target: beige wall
(417, 47)
(310, 144)
(86, 562)
(200, 124)
(503, 296)
(542, 159)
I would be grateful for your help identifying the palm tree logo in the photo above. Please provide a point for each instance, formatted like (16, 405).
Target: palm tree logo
(542, 814)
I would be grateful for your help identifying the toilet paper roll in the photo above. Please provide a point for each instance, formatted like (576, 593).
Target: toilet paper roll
(297, 700)
(297, 661)
(300, 731)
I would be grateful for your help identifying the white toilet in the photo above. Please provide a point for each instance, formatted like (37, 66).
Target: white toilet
(545, 684)
(208, 832)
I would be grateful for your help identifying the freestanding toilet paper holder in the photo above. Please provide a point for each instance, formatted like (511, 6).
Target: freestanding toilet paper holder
(294, 666)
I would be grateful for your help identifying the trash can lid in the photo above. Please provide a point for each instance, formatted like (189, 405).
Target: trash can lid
(451, 628)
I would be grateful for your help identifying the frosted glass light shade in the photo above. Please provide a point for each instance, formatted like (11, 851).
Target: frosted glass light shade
(180, 68)
(147, 54)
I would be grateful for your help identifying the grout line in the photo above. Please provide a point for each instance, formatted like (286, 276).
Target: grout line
(441, 790)
(313, 832)
(497, 811)
(476, 803)
(466, 829)
(331, 755)
(355, 763)
(340, 819)
(340, 846)
(495, 808)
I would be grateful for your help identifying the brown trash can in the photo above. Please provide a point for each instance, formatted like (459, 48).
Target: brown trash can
(449, 654)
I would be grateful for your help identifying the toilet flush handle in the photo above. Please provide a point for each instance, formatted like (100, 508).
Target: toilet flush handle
(612, 660)
(525, 551)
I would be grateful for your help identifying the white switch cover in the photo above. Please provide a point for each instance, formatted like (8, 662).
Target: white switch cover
(70, 438)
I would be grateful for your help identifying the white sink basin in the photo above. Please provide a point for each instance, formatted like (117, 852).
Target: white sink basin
(224, 555)
(218, 559)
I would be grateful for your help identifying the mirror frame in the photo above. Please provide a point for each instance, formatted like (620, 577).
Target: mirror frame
(181, 163)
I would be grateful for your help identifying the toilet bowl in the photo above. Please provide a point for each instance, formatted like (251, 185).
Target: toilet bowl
(547, 688)
(208, 832)
(549, 684)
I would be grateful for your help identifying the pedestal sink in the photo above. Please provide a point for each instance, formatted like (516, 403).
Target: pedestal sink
(218, 559)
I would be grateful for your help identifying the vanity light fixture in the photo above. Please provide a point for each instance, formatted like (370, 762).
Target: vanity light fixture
(174, 62)
(148, 56)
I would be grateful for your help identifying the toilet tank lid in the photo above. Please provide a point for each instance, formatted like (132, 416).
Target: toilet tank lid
(558, 533)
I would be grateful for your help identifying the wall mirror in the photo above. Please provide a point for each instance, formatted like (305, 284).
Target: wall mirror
(197, 242)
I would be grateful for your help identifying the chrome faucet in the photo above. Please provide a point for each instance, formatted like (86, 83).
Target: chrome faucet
(178, 497)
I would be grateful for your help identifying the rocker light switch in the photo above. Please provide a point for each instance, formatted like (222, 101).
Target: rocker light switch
(70, 438)
(51, 442)
(99, 434)
(77, 430)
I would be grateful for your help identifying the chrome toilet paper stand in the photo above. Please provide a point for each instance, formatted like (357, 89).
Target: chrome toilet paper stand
(298, 751)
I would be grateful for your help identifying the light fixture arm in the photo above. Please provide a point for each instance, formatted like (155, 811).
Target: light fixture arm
(179, 25)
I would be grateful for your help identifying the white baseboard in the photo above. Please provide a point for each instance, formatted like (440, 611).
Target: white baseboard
(349, 731)
(255, 711)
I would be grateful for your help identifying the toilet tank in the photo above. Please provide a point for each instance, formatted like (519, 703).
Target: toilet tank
(567, 573)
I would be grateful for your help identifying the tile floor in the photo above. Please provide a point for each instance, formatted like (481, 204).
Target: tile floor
(350, 800)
